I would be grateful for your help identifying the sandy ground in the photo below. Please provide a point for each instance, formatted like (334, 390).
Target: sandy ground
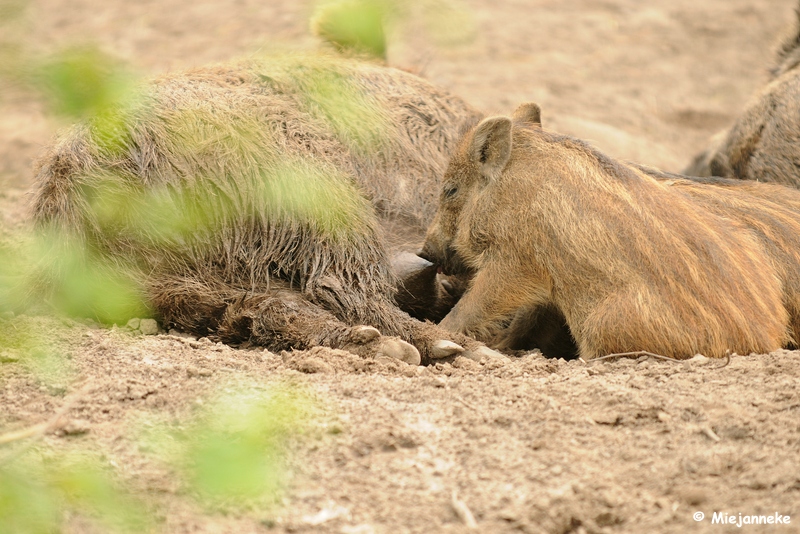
(527, 444)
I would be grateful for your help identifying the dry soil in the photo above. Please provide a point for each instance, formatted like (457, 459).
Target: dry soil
(526, 444)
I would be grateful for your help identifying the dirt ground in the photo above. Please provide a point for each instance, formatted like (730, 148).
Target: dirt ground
(527, 444)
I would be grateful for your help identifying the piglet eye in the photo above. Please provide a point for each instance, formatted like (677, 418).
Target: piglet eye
(449, 192)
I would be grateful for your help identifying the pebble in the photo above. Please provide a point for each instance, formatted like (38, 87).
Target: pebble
(76, 427)
(692, 495)
(148, 327)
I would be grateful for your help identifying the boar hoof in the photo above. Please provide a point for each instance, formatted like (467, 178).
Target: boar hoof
(399, 349)
(361, 335)
(483, 352)
(444, 348)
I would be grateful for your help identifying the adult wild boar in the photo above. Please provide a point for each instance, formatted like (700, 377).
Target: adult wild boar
(291, 174)
(548, 223)
(762, 143)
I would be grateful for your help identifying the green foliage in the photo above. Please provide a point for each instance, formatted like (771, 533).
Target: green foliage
(26, 506)
(233, 451)
(354, 25)
(13, 268)
(35, 493)
(88, 284)
(331, 96)
(301, 191)
(84, 83)
(76, 280)
(22, 342)
(357, 122)
(156, 220)
(361, 26)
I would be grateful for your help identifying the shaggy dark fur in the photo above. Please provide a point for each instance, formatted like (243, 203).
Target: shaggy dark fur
(288, 197)
(763, 142)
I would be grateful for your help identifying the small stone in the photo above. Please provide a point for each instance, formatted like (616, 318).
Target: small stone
(148, 327)
(435, 382)
(609, 418)
(313, 366)
(138, 392)
(76, 427)
(692, 495)
(466, 364)
(134, 323)
(607, 519)
(538, 444)
(192, 371)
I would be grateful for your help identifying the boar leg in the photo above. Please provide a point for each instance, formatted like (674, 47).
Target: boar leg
(432, 341)
(279, 319)
(495, 294)
(363, 304)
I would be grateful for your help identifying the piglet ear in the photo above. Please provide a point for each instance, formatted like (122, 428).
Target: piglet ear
(491, 145)
(529, 113)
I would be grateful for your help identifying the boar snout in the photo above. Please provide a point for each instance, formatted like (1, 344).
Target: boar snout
(427, 253)
(447, 258)
(406, 264)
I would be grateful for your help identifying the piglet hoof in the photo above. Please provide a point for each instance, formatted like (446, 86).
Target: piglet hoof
(361, 335)
(483, 352)
(444, 348)
(399, 349)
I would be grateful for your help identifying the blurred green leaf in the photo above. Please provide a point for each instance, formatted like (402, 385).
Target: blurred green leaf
(34, 495)
(361, 26)
(84, 486)
(26, 506)
(234, 450)
(84, 282)
(13, 294)
(238, 444)
(299, 190)
(76, 280)
(283, 189)
(332, 96)
(84, 83)
(354, 25)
